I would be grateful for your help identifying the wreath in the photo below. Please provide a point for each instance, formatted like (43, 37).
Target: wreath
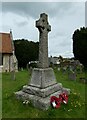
(56, 102)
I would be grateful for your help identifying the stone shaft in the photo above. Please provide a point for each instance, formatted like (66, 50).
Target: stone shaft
(43, 27)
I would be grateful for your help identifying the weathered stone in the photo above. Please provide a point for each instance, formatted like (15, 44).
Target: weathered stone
(44, 27)
(42, 92)
(83, 80)
(66, 90)
(42, 77)
(13, 77)
(39, 102)
(43, 83)
(72, 76)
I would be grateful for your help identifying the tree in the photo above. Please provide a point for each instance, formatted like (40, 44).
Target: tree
(26, 51)
(80, 45)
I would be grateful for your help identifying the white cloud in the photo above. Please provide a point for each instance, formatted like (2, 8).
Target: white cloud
(43, 0)
(1, 15)
(64, 19)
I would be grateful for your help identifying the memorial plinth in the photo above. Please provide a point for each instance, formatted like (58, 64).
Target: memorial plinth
(43, 83)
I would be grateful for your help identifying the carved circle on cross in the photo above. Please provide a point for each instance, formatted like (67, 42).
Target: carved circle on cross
(42, 24)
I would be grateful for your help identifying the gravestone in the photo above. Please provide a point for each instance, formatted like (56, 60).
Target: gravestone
(43, 83)
(58, 68)
(72, 75)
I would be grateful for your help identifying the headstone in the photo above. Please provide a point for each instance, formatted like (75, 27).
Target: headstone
(83, 80)
(13, 75)
(72, 75)
(64, 69)
(58, 68)
(43, 83)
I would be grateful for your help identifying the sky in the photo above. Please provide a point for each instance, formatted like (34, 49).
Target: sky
(64, 18)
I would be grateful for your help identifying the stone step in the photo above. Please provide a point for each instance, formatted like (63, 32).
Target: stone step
(66, 90)
(39, 102)
(42, 92)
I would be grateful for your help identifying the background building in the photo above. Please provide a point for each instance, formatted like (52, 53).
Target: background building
(8, 61)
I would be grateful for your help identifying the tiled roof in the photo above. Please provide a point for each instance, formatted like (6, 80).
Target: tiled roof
(5, 43)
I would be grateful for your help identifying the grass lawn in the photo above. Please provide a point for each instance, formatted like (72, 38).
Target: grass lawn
(0, 95)
(13, 108)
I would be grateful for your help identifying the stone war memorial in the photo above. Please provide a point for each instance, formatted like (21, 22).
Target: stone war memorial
(43, 83)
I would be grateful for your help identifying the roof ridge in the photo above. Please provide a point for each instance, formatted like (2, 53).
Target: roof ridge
(4, 33)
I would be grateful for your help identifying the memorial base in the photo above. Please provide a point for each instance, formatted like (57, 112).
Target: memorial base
(42, 86)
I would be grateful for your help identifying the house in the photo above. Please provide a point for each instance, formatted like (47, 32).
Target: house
(54, 60)
(8, 61)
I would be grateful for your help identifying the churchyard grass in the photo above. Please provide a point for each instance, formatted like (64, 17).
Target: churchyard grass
(13, 108)
(0, 95)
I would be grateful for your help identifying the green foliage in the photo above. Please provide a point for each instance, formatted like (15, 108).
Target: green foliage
(13, 108)
(80, 45)
(26, 51)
